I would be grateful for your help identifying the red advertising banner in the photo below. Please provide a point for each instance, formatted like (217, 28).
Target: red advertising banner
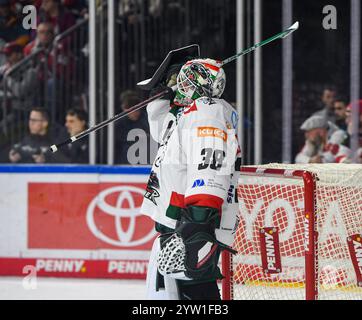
(75, 268)
(355, 251)
(270, 252)
(88, 216)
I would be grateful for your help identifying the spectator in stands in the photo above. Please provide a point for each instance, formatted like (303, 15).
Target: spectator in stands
(11, 29)
(319, 147)
(340, 108)
(52, 11)
(34, 147)
(155, 8)
(44, 38)
(135, 123)
(130, 10)
(76, 121)
(42, 63)
(79, 8)
(14, 54)
(45, 60)
(328, 98)
(22, 3)
(21, 87)
(356, 158)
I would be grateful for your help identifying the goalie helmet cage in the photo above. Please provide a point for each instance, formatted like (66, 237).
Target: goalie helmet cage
(299, 234)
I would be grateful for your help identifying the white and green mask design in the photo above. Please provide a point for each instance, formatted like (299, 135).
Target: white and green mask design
(199, 78)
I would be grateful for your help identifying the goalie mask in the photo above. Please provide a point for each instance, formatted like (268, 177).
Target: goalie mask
(200, 78)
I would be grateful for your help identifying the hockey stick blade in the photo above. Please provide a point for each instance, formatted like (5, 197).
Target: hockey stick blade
(280, 35)
(294, 27)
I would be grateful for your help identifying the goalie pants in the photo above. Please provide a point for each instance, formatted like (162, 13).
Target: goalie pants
(167, 288)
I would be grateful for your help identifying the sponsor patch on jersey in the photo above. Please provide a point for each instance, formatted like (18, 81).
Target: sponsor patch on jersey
(198, 183)
(230, 196)
(211, 183)
(211, 132)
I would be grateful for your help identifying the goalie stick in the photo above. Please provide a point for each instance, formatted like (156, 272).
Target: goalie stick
(281, 35)
(55, 147)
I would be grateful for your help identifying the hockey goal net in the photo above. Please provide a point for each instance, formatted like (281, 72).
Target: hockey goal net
(299, 234)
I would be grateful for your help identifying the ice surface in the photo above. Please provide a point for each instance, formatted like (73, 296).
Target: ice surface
(12, 288)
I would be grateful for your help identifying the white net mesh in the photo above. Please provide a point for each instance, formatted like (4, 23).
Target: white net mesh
(279, 202)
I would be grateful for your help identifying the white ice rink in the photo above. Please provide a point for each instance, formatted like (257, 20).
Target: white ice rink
(11, 288)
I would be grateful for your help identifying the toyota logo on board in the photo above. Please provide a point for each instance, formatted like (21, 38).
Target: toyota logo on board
(124, 213)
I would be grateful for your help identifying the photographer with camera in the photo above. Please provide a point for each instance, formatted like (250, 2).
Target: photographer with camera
(34, 147)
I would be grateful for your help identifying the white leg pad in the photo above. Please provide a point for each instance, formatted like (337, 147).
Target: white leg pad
(170, 290)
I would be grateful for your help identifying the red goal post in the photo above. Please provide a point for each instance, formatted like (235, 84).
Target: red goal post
(299, 233)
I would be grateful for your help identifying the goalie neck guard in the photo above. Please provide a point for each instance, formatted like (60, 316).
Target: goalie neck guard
(200, 78)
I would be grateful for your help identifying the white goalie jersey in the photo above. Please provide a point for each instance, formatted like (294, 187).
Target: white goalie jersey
(197, 162)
